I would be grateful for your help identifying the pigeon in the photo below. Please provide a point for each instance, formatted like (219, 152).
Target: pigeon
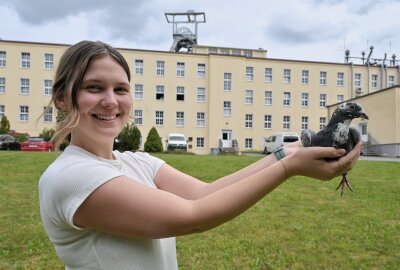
(337, 133)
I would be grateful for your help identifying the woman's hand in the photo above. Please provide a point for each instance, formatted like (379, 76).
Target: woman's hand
(292, 147)
(322, 163)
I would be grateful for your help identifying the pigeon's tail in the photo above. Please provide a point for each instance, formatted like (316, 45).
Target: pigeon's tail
(306, 137)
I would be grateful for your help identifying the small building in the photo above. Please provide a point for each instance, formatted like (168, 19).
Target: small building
(381, 133)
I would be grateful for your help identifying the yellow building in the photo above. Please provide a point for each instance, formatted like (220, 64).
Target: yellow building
(217, 97)
(382, 131)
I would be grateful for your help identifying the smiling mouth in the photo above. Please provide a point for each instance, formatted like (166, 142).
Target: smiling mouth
(106, 117)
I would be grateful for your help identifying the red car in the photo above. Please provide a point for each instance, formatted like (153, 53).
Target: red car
(37, 144)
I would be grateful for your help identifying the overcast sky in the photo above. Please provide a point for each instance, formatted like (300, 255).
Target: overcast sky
(317, 30)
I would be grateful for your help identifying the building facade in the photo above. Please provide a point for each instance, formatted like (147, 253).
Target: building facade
(218, 97)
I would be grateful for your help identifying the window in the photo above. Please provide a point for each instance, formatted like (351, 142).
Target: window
(159, 118)
(322, 122)
(322, 100)
(48, 61)
(2, 85)
(201, 94)
(304, 122)
(249, 74)
(224, 51)
(227, 81)
(286, 122)
(249, 96)
(236, 52)
(24, 113)
(25, 60)
(201, 70)
(160, 70)
(268, 98)
(304, 76)
(390, 81)
(3, 59)
(267, 121)
(138, 117)
(304, 99)
(47, 114)
(180, 69)
(340, 79)
(286, 98)
(248, 121)
(138, 92)
(212, 51)
(180, 119)
(357, 80)
(287, 76)
(200, 142)
(248, 53)
(180, 93)
(268, 75)
(24, 88)
(2, 111)
(374, 80)
(322, 78)
(139, 67)
(364, 130)
(48, 84)
(340, 98)
(159, 92)
(201, 119)
(248, 143)
(227, 108)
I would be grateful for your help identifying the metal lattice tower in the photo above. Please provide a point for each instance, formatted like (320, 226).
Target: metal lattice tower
(184, 28)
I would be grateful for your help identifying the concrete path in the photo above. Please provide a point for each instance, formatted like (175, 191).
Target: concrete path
(372, 158)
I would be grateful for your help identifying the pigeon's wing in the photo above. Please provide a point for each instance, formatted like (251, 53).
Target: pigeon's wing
(354, 138)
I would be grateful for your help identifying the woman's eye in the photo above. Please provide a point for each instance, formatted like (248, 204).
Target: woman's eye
(93, 88)
(121, 90)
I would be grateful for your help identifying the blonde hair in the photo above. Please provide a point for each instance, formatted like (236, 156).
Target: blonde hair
(68, 79)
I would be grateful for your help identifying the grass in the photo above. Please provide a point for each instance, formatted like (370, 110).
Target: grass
(303, 224)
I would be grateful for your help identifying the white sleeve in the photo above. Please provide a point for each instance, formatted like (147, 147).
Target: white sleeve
(73, 185)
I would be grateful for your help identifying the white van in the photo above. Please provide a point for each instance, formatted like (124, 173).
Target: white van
(279, 139)
(176, 141)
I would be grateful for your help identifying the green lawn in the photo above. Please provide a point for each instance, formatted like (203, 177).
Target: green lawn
(304, 224)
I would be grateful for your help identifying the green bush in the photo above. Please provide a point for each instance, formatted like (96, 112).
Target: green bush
(4, 125)
(47, 133)
(128, 139)
(153, 142)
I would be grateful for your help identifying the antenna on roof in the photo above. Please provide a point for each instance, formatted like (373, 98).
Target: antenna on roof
(184, 28)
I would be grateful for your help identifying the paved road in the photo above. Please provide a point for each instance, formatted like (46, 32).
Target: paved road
(372, 158)
(379, 158)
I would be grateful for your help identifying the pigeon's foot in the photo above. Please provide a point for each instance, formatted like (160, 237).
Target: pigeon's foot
(342, 183)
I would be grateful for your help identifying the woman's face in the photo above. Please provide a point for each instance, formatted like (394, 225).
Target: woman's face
(104, 102)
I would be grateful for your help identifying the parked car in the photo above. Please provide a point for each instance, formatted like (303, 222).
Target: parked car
(8, 142)
(37, 144)
(279, 139)
(176, 141)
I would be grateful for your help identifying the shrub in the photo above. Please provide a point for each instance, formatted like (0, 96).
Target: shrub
(47, 133)
(128, 139)
(153, 142)
(4, 125)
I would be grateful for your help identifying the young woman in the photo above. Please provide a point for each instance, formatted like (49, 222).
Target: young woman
(103, 209)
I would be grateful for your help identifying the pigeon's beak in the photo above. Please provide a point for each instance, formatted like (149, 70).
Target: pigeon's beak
(363, 115)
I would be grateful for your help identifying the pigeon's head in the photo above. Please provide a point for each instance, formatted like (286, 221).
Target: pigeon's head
(351, 110)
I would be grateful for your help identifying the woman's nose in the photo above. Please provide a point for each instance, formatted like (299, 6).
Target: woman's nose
(109, 98)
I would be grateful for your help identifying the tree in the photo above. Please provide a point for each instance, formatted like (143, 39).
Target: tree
(128, 139)
(4, 125)
(153, 142)
(47, 133)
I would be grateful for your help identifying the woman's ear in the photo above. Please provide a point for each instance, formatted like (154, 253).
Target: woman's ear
(60, 103)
